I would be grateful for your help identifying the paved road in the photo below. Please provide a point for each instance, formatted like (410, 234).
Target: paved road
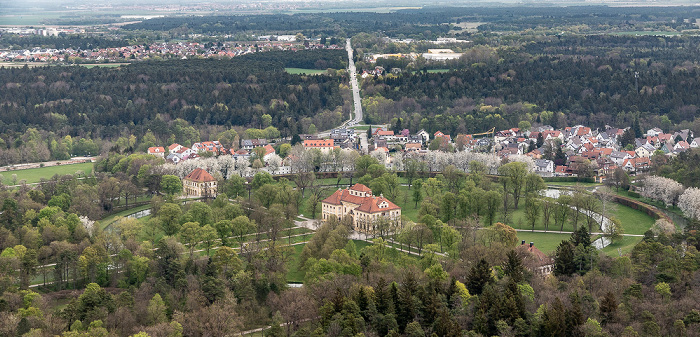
(355, 87)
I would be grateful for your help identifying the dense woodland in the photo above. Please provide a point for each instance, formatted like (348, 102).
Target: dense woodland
(431, 22)
(557, 80)
(44, 104)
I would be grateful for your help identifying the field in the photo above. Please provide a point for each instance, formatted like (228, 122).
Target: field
(546, 242)
(302, 71)
(22, 64)
(103, 65)
(647, 33)
(34, 175)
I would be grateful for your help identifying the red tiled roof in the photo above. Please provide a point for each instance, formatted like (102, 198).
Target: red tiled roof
(200, 175)
(156, 149)
(269, 149)
(173, 146)
(319, 143)
(344, 195)
(385, 133)
(361, 188)
(539, 256)
(371, 205)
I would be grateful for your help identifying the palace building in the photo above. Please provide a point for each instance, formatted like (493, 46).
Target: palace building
(199, 183)
(361, 206)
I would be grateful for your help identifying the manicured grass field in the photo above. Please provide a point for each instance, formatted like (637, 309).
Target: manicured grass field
(546, 242)
(34, 175)
(302, 71)
(633, 221)
(625, 245)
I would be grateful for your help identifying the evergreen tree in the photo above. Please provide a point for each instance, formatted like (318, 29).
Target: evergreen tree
(564, 259)
(514, 267)
(479, 276)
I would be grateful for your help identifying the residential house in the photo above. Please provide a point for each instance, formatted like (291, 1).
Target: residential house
(269, 151)
(157, 151)
(634, 165)
(174, 147)
(534, 259)
(619, 157)
(249, 144)
(695, 143)
(544, 166)
(212, 146)
(646, 150)
(439, 134)
(424, 135)
(414, 147)
(681, 146)
(654, 132)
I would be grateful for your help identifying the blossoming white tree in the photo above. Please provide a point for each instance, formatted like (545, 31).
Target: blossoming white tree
(689, 203)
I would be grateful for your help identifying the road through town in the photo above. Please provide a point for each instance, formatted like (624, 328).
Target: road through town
(355, 87)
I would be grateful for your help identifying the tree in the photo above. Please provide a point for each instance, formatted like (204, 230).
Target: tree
(532, 211)
(156, 311)
(417, 192)
(513, 267)
(262, 178)
(564, 263)
(620, 179)
(562, 210)
(190, 235)
(608, 308)
(613, 230)
(169, 216)
(171, 185)
(479, 276)
(241, 226)
(224, 229)
(513, 175)
(208, 236)
(492, 202)
(304, 180)
(689, 203)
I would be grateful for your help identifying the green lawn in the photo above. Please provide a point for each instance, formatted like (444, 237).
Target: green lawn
(624, 245)
(107, 221)
(294, 273)
(633, 221)
(546, 242)
(302, 71)
(34, 175)
(360, 127)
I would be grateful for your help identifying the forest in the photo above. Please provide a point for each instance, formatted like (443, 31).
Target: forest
(559, 81)
(236, 92)
(431, 22)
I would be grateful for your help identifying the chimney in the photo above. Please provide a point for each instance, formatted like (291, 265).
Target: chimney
(532, 244)
(522, 242)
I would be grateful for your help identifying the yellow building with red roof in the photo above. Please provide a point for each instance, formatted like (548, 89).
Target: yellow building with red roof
(199, 183)
(361, 206)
